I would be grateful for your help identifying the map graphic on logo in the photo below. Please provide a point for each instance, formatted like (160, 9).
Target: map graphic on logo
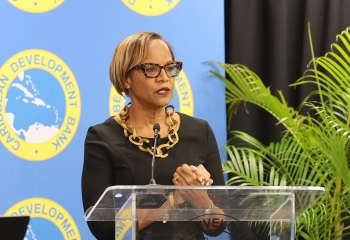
(39, 105)
(39, 228)
(48, 219)
(35, 106)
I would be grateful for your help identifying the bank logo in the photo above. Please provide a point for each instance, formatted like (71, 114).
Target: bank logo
(48, 219)
(182, 101)
(36, 6)
(151, 7)
(39, 105)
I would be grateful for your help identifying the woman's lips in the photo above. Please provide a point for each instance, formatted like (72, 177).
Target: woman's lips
(163, 91)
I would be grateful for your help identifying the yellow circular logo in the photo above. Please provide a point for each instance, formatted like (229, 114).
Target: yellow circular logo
(151, 7)
(39, 105)
(36, 6)
(123, 229)
(49, 220)
(183, 98)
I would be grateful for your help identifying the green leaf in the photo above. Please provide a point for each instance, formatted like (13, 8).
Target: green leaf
(314, 149)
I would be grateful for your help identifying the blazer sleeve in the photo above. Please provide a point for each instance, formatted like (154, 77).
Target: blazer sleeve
(213, 161)
(97, 175)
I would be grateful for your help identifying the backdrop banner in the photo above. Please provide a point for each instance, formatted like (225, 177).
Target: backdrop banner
(54, 84)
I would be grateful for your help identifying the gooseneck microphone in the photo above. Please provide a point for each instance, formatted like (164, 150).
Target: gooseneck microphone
(152, 197)
(156, 129)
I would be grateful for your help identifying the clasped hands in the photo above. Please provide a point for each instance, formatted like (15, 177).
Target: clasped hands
(192, 176)
(184, 176)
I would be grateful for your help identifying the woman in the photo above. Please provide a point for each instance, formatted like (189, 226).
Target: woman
(119, 150)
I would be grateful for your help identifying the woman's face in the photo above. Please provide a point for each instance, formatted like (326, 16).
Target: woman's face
(152, 92)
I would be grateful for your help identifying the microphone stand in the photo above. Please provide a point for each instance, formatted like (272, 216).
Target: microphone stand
(156, 129)
(152, 198)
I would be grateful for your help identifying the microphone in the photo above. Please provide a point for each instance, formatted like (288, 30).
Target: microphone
(156, 128)
(152, 198)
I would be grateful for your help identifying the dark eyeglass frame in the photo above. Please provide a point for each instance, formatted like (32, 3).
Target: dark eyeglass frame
(142, 67)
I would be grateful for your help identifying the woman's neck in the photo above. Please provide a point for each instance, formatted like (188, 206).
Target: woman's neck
(143, 120)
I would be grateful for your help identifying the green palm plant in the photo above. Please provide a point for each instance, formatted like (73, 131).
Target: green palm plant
(313, 149)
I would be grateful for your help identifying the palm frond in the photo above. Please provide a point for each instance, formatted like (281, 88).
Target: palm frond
(314, 150)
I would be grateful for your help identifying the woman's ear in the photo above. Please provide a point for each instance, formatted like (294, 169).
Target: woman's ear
(127, 83)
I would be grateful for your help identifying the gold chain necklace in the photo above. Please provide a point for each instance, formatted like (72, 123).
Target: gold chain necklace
(143, 143)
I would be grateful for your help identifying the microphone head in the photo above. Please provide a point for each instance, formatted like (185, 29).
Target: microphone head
(156, 126)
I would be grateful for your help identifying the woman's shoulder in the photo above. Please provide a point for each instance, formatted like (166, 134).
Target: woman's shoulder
(107, 124)
(184, 118)
(105, 127)
(192, 124)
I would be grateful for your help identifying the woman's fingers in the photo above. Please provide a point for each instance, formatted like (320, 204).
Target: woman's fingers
(192, 175)
(185, 169)
(175, 181)
(203, 175)
(185, 176)
(193, 168)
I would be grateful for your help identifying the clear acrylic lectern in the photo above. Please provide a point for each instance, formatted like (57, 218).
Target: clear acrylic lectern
(239, 207)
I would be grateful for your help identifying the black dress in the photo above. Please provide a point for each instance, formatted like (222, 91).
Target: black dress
(111, 159)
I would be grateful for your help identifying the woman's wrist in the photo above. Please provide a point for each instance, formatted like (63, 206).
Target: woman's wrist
(175, 200)
(172, 200)
(207, 210)
(178, 200)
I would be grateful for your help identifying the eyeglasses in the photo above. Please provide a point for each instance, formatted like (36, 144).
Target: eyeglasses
(152, 70)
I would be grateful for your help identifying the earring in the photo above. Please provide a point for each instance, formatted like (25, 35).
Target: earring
(128, 87)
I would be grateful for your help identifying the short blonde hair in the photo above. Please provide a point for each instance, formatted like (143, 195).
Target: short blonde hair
(128, 54)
